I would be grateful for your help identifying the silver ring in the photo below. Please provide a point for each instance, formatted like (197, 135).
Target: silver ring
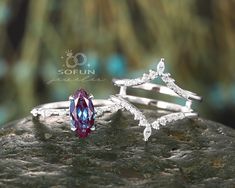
(176, 111)
(81, 108)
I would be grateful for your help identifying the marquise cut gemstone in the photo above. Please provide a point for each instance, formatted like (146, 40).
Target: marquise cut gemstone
(81, 113)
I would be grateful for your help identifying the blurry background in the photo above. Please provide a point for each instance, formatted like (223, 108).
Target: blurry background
(120, 39)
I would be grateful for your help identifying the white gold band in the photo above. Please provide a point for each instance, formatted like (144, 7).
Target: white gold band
(62, 108)
(171, 89)
(158, 89)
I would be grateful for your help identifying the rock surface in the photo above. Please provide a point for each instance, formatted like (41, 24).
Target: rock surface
(188, 153)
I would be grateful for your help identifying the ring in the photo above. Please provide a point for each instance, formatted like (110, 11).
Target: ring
(177, 111)
(81, 108)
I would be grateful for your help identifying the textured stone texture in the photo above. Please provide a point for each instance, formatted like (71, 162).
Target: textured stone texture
(189, 153)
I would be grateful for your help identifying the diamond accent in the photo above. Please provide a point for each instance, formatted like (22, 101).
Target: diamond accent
(138, 115)
(170, 83)
(165, 77)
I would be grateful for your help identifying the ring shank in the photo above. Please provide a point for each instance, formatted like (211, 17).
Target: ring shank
(62, 107)
(169, 106)
(155, 103)
(65, 104)
(165, 90)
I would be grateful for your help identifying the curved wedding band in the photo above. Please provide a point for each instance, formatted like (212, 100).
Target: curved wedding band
(176, 111)
(170, 89)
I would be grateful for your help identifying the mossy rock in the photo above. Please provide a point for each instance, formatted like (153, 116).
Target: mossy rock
(187, 153)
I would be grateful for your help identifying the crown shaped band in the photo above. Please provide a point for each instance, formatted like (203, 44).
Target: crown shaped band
(176, 111)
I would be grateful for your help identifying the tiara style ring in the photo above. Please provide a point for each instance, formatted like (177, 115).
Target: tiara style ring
(175, 111)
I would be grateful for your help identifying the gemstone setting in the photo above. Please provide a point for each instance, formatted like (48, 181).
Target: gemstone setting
(82, 113)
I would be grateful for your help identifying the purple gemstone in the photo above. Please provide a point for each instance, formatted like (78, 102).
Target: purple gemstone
(81, 113)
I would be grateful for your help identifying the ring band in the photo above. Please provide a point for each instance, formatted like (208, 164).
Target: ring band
(81, 109)
(171, 89)
(62, 108)
(157, 103)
